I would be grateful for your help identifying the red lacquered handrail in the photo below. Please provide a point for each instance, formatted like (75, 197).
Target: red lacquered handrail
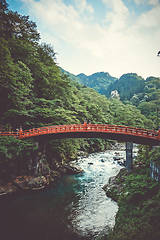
(124, 130)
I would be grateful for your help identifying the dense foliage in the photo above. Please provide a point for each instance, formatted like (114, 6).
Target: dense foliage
(149, 101)
(14, 156)
(132, 89)
(139, 203)
(127, 85)
(144, 94)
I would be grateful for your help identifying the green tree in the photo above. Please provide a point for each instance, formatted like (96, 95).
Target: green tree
(14, 156)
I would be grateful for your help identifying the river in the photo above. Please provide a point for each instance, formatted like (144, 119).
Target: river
(75, 208)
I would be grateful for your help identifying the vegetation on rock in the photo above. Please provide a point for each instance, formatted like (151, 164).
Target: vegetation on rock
(138, 198)
(127, 85)
(143, 94)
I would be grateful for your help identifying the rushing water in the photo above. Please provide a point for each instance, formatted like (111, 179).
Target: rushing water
(75, 208)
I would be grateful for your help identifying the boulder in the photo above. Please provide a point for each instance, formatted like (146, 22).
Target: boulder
(116, 158)
(72, 169)
(68, 168)
(114, 187)
(38, 182)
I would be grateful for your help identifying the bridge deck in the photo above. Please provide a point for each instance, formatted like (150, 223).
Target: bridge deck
(121, 133)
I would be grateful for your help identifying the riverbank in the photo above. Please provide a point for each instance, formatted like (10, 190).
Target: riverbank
(47, 176)
(138, 198)
(44, 174)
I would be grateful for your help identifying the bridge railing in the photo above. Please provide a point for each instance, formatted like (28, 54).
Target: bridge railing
(51, 129)
(13, 134)
(122, 129)
(83, 128)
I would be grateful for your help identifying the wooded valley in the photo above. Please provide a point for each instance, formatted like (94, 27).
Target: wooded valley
(35, 92)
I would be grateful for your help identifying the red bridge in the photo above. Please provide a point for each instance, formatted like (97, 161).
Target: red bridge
(120, 133)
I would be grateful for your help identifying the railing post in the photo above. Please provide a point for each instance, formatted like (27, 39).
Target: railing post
(89, 124)
(85, 124)
(33, 131)
(20, 132)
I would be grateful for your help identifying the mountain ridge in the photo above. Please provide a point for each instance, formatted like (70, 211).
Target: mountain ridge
(99, 81)
(132, 89)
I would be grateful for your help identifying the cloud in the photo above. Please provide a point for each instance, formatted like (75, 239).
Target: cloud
(66, 22)
(82, 5)
(150, 19)
(151, 2)
(119, 45)
(118, 16)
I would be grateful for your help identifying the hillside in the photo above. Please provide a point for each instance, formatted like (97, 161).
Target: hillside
(98, 81)
(132, 89)
(127, 85)
(149, 100)
(72, 76)
(144, 94)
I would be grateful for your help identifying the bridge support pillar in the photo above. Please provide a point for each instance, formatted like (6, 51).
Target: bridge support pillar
(129, 160)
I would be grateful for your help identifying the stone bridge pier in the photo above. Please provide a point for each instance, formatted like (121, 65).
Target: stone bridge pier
(129, 159)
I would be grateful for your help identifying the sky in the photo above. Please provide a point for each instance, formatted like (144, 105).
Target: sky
(114, 36)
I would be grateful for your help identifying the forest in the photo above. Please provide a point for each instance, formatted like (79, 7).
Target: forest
(132, 89)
